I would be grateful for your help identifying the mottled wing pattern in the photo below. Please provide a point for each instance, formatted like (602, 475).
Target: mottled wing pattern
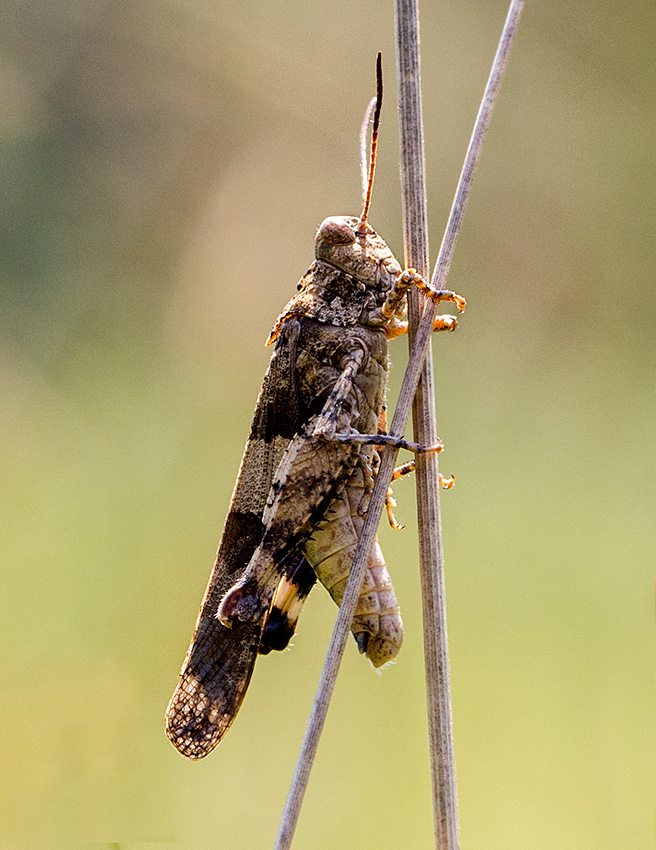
(219, 662)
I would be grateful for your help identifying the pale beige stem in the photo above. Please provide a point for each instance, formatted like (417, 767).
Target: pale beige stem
(377, 502)
(431, 556)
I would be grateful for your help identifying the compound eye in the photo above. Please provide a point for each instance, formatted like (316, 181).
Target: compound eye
(336, 231)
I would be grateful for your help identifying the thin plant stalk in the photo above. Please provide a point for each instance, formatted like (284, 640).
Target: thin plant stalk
(410, 380)
(431, 553)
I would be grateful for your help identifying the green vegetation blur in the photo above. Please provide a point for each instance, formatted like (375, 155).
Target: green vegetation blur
(164, 166)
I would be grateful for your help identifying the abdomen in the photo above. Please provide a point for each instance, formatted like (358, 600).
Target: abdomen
(377, 625)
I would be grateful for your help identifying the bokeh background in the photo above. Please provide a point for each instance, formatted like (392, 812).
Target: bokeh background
(164, 166)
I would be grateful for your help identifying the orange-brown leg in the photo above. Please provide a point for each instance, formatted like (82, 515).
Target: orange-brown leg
(406, 469)
(442, 323)
(412, 277)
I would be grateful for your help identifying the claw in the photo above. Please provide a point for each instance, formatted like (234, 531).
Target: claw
(445, 323)
(447, 483)
(438, 447)
(390, 504)
(459, 302)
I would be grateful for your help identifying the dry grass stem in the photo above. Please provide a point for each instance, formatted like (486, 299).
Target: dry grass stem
(431, 556)
(399, 421)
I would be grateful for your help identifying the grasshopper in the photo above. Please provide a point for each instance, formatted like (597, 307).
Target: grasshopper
(301, 493)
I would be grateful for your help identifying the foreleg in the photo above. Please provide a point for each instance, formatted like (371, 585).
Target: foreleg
(441, 323)
(412, 277)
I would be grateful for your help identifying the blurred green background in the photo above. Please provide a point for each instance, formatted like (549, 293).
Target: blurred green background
(164, 166)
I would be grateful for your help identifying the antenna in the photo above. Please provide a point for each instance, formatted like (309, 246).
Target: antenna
(364, 153)
(374, 142)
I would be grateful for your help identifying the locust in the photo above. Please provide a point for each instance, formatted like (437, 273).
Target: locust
(307, 472)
